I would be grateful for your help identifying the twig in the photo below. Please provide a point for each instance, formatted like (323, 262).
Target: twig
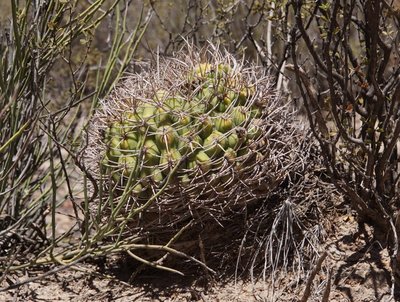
(327, 291)
(203, 255)
(49, 273)
(307, 290)
(153, 264)
(312, 94)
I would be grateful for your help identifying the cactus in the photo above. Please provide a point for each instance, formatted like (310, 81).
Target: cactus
(213, 128)
(198, 127)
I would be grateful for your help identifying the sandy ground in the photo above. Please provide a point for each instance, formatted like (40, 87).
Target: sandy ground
(357, 267)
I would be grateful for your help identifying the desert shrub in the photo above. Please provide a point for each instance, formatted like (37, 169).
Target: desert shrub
(39, 135)
(352, 106)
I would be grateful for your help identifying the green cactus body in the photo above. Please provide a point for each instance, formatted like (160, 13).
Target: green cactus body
(156, 175)
(206, 93)
(184, 179)
(255, 112)
(221, 90)
(116, 130)
(232, 98)
(162, 117)
(132, 122)
(189, 143)
(151, 152)
(132, 135)
(213, 104)
(214, 143)
(230, 155)
(254, 131)
(227, 102)
(197, 107)
(205, 126)
(223, 123)
(209, 121)
(114, 150)
(166, 137)
(137, 189)
(233, 141)
(176, 104)
(245, 94)
(204, 161)
(202, 70)
(128, 145)
(148, 111)
(239, 115)
(160, 95)
(128, 163)
(184, 119)
(222, 107)
(169, 158)
(192, 164)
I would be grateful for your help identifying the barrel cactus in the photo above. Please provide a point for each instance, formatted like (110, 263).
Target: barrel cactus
(200, 134)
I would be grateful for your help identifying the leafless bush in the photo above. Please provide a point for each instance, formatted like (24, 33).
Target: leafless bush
(353, 103)
(39, 135)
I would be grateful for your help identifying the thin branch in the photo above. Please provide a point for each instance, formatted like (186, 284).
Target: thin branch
(310, 280)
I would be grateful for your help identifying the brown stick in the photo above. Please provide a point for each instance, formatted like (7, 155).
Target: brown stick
(307, 290)
(327, 291)
(312, 94)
